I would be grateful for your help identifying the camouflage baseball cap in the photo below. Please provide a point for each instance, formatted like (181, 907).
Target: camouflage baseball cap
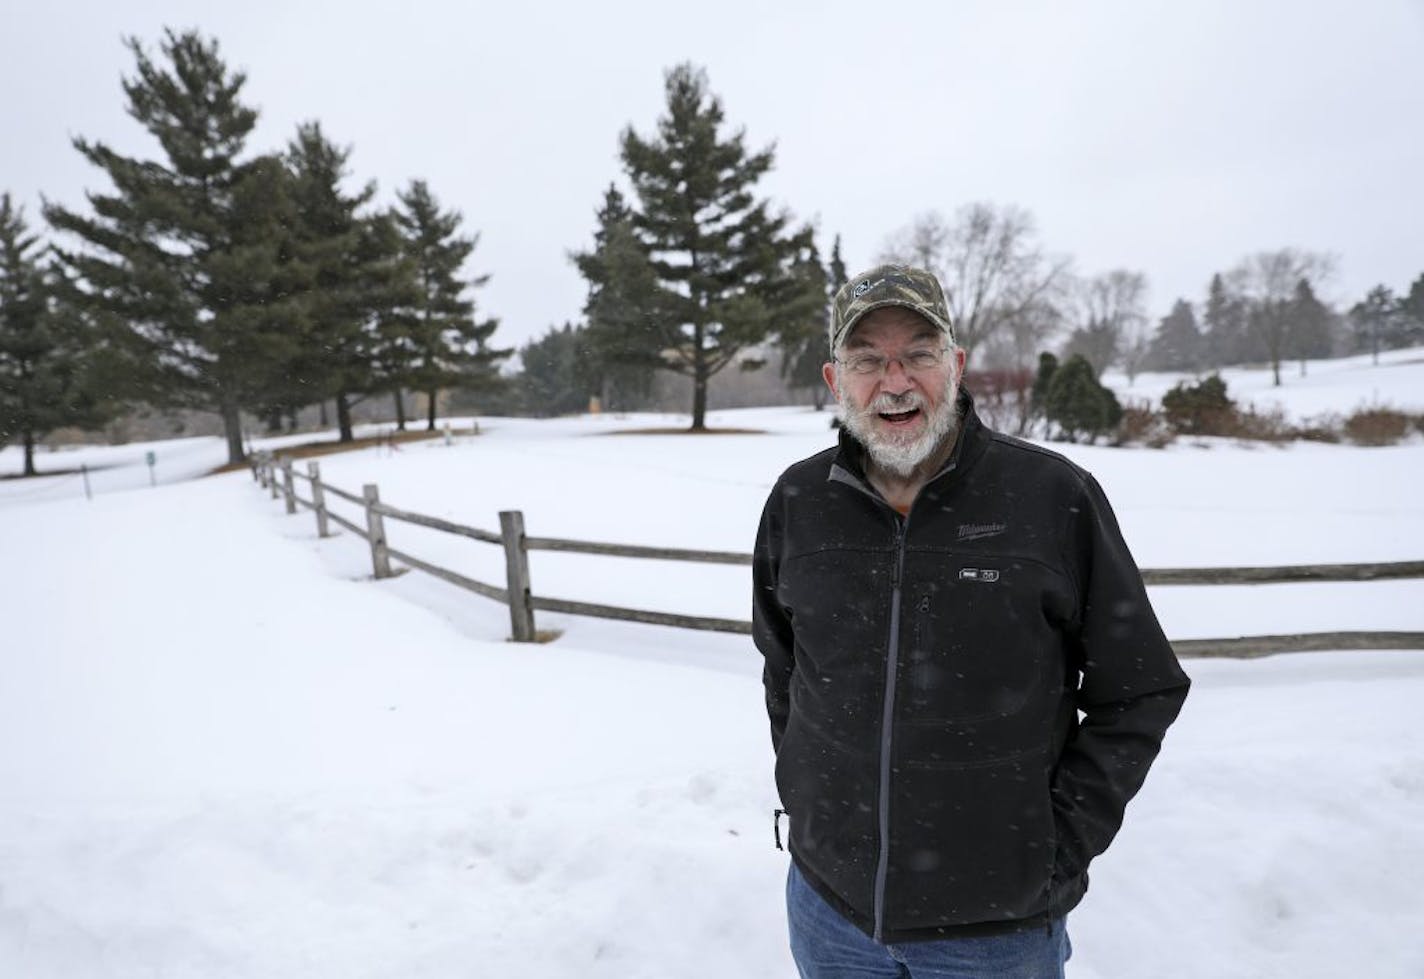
(888, 285)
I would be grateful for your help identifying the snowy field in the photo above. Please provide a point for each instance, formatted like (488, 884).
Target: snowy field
(227, 752)
(1327, 387)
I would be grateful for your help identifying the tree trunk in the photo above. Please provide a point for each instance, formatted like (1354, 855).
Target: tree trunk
(400, 411)
(343, 418)
(29, 437)
(232, 429)
(321, 408)
(699, 376)
(430, 409)
(699, 400)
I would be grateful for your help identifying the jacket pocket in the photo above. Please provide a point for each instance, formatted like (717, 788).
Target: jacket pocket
(977, 650)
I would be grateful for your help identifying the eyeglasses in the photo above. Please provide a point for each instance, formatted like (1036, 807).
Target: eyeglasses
(915, 361)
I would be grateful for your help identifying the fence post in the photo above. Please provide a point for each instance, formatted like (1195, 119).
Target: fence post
(272, 475)
(516, 565)
(318, 499)
(376, 527)
(262, 469)
(287, 489)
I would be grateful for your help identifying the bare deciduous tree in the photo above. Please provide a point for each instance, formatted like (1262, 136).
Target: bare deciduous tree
(1267, 282)
(1112, 324)
(993, 272)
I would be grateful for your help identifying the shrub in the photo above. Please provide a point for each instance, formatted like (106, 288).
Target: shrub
(1143, 425)
(1200, 409)
(1078, 404)
(1320, 428)
(1260, 426)
(1376, 426)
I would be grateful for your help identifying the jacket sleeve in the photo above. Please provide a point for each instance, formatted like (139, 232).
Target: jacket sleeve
(771, 623)
(1130, 688)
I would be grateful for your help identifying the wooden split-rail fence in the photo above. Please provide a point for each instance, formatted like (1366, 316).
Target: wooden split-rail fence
(279, 477)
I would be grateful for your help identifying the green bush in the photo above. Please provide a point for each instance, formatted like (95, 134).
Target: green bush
(1078, 404)
(1201, 408)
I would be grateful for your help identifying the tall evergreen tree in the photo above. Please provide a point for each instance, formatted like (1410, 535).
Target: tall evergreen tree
(1177, 344)
(46, 380)
(555, 374)
(1224, 338)
(1095, 342)
(802, 340)
(1372, 319)
(804, 354)
(723, 261)
(168, 253)
(622, 342)
(1311, 325)
(1411, 309)
(355, 278)
(450, 346)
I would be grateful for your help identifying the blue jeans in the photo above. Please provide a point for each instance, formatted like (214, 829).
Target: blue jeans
(827, 946)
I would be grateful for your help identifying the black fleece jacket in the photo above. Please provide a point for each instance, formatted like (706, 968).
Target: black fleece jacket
(963, 700)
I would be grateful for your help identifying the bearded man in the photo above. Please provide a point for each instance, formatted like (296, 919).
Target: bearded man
(965, 679)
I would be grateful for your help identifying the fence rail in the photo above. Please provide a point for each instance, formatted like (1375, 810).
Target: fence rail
(522, 603)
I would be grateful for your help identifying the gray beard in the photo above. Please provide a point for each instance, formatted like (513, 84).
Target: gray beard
(902, 456)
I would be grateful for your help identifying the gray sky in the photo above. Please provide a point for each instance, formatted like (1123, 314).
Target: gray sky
(1167, 137)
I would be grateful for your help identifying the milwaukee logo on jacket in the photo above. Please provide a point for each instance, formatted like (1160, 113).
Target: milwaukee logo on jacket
(924, 677)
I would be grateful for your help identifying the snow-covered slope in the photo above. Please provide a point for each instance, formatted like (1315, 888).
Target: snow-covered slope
(225, 751)
(1337, 386)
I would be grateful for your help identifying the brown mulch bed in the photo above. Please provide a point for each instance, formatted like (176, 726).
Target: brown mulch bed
(326, 447)
(686, 431)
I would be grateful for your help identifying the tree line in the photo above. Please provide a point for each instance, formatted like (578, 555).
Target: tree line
(230, 282)
(215, 279)
(690, 277)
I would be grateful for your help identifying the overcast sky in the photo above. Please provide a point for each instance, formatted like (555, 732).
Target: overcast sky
(1168, 137)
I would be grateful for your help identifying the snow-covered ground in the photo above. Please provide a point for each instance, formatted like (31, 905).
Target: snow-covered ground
(1328, 387)
(228, 752)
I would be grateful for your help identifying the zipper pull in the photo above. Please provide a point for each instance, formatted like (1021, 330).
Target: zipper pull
(776, 815)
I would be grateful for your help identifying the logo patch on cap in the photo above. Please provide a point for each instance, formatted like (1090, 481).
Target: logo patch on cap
(863, 288)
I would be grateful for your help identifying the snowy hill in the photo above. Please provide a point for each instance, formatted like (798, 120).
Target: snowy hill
(228, 752)
(1336, 386)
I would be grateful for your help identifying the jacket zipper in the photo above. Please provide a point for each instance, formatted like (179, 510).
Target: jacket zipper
(887, 727)
(892, 658)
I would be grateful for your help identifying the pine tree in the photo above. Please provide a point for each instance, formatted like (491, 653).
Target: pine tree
(554, 376)
(169, 253)
(1372, 319)
(1311, 323)
(804, 355)
(1411, 310)
(1224, 327)
(355, 280)
(723, 261)
(449, 346)
(802, 340)
(622, 341)
(1096, 342)
(46, 376)
(1177, 345)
